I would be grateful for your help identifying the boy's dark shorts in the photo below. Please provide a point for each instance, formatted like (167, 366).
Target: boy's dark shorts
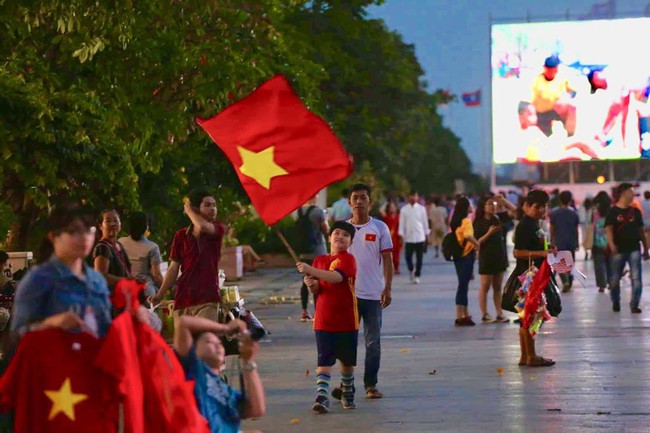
(337, 345)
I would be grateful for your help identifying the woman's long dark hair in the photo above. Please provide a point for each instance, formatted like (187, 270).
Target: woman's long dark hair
(480, 208)
(603, 203)
(461, 210)
(138, 225)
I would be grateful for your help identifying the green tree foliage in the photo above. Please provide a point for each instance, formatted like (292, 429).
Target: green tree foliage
(377, 102)
(98, 100)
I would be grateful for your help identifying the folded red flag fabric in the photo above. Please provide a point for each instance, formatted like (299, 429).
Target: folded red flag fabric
(534, 298)
(127, 294)
(119, 358)
(53, 386)
(151, 381)
(170, 405)
(283, 153)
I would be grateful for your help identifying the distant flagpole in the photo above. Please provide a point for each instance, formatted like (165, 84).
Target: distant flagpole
(486, 151)
(482, 139)
(490, 144)
(450, 111)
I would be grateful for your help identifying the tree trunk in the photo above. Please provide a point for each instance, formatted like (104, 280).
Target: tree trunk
(24, 210)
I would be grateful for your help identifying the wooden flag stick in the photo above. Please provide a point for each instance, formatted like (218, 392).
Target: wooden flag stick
(293, 254)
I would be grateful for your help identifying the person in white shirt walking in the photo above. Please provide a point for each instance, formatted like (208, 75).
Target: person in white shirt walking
(413, 229)
(372, 248)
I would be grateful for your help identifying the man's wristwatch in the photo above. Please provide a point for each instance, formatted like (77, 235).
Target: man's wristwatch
(249, 366)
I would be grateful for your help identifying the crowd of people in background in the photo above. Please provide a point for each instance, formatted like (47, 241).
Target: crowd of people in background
(81, 267)
(612, 230)
(570, 227)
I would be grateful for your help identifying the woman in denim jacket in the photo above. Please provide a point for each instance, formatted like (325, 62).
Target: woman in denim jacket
(64, 292)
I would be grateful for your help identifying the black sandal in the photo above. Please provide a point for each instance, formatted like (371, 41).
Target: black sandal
(542, 362)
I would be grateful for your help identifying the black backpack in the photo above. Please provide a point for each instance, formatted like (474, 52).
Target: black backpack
(307, 237)
(451, 249)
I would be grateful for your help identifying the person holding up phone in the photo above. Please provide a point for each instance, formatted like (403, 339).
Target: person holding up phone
(202, 355)
(492, 213)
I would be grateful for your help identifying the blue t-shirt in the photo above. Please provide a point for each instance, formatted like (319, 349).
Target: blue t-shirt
(341, 210)
(218, 402)
(565, 223)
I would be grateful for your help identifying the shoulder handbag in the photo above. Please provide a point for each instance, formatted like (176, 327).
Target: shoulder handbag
(509, 298)
(553, 299)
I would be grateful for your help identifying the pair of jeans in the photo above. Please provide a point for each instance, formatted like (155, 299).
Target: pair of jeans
(370, 312)
(464, 271)
(602, 266)
(633, 259)
(418, 249)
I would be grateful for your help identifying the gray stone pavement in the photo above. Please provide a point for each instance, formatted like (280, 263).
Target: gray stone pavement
(601, 382)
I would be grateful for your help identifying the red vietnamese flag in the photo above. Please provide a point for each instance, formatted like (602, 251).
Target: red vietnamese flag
(534, 297)
(283, 153)
(150, 379)
(52, 385)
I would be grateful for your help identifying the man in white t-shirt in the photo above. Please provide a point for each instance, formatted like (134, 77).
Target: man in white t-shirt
(413, 229)
(372, 249)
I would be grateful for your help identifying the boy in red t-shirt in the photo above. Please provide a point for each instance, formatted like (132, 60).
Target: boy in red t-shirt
(336, 321)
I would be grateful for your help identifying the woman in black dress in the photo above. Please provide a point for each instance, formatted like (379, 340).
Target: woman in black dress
(492, 258)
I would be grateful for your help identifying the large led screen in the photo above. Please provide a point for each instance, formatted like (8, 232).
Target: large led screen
(575, 90)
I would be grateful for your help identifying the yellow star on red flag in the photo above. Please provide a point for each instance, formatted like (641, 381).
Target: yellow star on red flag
(302, 155)
(260, 165)
(64, 400)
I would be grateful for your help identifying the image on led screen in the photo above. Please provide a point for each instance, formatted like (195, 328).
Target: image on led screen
(565, 91)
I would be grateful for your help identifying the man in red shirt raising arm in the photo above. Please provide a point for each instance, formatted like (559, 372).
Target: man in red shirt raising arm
(195, 252)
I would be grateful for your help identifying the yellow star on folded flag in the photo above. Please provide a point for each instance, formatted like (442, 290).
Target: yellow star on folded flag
(64, 400)
(260, 166)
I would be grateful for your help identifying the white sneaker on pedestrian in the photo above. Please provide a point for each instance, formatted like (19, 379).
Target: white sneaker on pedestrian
(416, 280)
(412, 276)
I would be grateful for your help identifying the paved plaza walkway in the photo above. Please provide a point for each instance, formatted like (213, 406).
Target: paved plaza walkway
(439, 378)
